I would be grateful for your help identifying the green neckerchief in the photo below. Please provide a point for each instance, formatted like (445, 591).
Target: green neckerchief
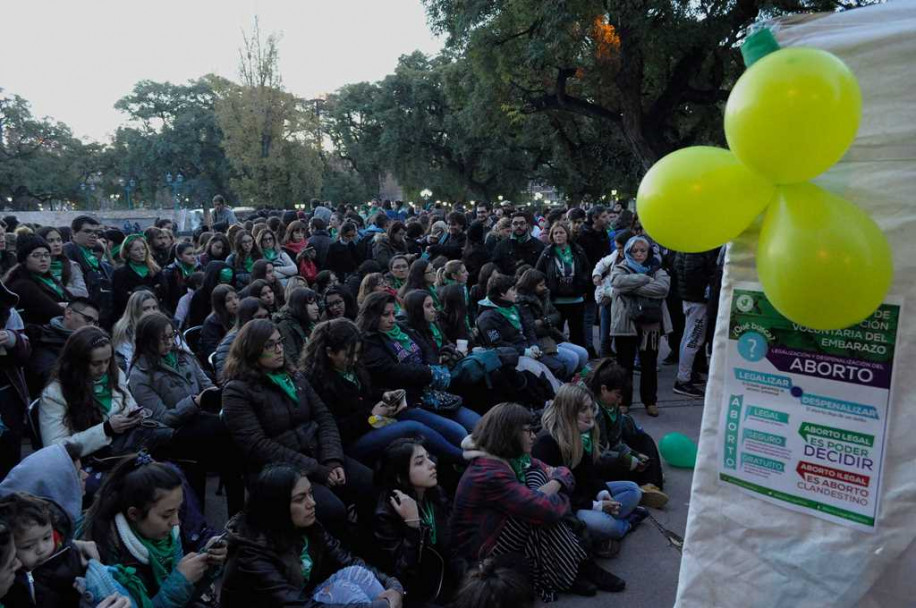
(305, 561)
(428, 515)
(140, 269)
(511, 314)
(520, 239)
(396, 283)
(132, 583)
(587, 442)
(171, 360)
(161, 555)
(397, 334)
(565, 255)
(520, 465)
(90, 257)
(350, 377)
(50, 283)
(225, 276)
(101, 391)
(115, 250)
(248, 263)
(57, 269)
(437, 334)
(435, 297)
(611, 412)
(285, 383)
(270, 254)
(186, 269)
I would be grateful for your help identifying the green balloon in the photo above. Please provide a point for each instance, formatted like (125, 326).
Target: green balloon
(678, 450)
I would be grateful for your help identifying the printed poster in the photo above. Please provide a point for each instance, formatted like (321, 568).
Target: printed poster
(805, 412)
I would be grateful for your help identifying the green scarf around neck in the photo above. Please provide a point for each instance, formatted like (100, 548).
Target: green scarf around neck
(586, 442)
(161, 555)
(435, 297)
(305, 560)
(286, 384)
(90, 257)
(428, 515)
(49, 282)
(350, 377)
(520, 239)
(398, 335)
(225, 276)
(270, 254)
(248, 263)
(186, 269)
(171, 360)
(565, 254)
(101, 392)
(437, 334)
(511, 314)
(140, 268)
(520, 465)
(57, 269)
(128, 578)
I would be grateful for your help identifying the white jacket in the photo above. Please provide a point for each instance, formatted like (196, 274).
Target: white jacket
(54, 429)
(603, 271)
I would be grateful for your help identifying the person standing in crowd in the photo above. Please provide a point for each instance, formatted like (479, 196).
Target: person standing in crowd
(498, 233)
(566, 269)
(484, 214)
(221, 214)
(7, 257)
(85, 231)
(594, 239)
(519, 249)
(41, 296)
(639, 317)
(342, 258)
(320, 239)
(139, 271)
(65, 270)
(48, 341)
(242, 258)
(15, 349)
(695, 272)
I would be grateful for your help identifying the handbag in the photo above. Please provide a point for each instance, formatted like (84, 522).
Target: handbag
(644, 311)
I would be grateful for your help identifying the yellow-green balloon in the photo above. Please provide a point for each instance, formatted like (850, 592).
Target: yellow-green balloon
(822, 261)
(793, 114)
(699, 198)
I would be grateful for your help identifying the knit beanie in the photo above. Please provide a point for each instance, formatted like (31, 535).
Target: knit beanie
(27, 244)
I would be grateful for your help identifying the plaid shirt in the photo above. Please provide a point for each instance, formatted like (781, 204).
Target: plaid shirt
(489, 494)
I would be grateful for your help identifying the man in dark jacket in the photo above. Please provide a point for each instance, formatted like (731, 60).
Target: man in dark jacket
(519, 249)
(48, 340)
(594, 239)
(320, 239)
(85, 231)
(453, 244)
(694, 273)
(342, 257)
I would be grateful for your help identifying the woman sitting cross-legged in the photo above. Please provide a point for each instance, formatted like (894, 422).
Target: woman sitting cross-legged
(280, 556)
(509, 502)
(367, 419)
(411, 523)
(609, 509)
(274, 415)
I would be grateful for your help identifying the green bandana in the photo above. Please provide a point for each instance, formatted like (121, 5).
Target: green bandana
(511, 314)
(305, 560)
(57, 269)
(161, 555)
(132, 583)
(435, 297)
(396, 283)
(225, 276)
(49, 282)
(565, 255)
(186, 269)
(171, 360)
(248, 263)
(90, 257)
(437, 334)
(611, 412)
(350, 377)
(140, 269)
(270, 254)
(520, 465)
(428, 515)
(587, 442)
(286, 384)
(101, 391)
(397, 334)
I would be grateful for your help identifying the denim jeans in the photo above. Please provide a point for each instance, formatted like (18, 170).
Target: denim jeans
(454, 426)
(603, 526)
(370, 446)
(574, 357)
(606, 340)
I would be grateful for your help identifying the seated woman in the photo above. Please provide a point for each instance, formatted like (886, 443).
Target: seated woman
(296, 321)
(269, 247)
(261, 290)
(41, 296)
(397, 271)
(453, 318)
(280, 556)
(140, 304)
(395, 359)
(177, 274)
(338, 303)
(609, 509)
(411, 523)
(65, 270)
(243, 257)
(263, 270)
(274, 415)
(249, 308)
(135, 523)
(534, 302)
(368, 420)
(170, 384)
(423, 319)
(225, 304)
(140, 270)
(215, 273)
(479, 290)
(508, 502)
(421, 276)
(374, 282)
(216, 249)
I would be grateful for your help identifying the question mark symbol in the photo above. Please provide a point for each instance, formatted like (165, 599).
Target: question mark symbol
(752, 342)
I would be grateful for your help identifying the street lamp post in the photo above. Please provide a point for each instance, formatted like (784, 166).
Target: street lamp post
(175, 183)
(128, 185)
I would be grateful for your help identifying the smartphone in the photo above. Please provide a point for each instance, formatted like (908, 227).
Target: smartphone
(219, 542)
(394, 398)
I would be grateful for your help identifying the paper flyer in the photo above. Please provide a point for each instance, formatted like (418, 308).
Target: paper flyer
(805, 411)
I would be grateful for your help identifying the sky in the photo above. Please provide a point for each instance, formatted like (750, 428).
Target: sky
(72, 60)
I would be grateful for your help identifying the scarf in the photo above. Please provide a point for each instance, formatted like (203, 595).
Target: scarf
(395, 282)
(159, 555)
(428, 515)
(565, 255)
(398, 335)
(286, 384)
(225, 276)
(520, 465)
(57, 269)
(186, 269)
(435, 297)
(297, 247)
(350, 377)
(305, 560)
(171, 360)
(140, 269)
(586, 442)
(128, 579)
(520, 239)
(248, 263)
(632, 264)
(270, 254)
(101, 392)
(437, 334)
(90, 257)
(49, 282)
(510, 312)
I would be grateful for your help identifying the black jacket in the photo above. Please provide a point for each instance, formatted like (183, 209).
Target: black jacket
(589, 480)
(175, 285)
(474, 259)
(542, 315)
(574, 286)
(451, 247)
(510, 254)
(388, 368)
(495, 330)
(257, 575)
(38, 302)
(125, 281)
(47, 342)
(695, 272)
(595, 243)
(350, 405)
(211, 334)
(321, 241)
(51, 582)
(342, 259)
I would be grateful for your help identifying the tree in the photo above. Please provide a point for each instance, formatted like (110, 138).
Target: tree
(269, 134)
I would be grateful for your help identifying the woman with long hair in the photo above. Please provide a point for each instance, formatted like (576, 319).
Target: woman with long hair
(453, 272)
(65, 270)
(140, 270)
(293, 284)
(139, 304)
(475, 253)
(135, 523)
(296, 321)
(216, 273)
(217, 249)
(249, 308)
(224, 302)
(263, 270)
(368, 419)
(609, 509)
(262, 290)
(395, 359)
(294, 240)
(411, 522)
(325, 280)
(338, 303)
(41, 296)
(177, 274)
(453, 318)
(422, 276)
(423, 319)
(374, 282)
(280, 555)
(269, 246)
(274, 414)
(243, 256)
(479, 290)
(500, 232)
(392, 243)
(566, 269)
(509, 502)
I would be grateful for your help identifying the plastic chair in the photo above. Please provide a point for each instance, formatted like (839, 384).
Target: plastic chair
(192, 337)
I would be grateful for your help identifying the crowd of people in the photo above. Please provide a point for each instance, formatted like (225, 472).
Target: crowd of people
(402, 407)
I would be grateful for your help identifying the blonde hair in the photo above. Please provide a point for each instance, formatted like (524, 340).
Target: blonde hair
(448, 272)
(124, 254)
(368, 285)
(123, 330)
(560, 420)
(292, 284)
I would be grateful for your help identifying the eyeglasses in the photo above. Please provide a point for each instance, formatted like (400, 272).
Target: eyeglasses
(88, 318)
(39, 256)
(274, 346)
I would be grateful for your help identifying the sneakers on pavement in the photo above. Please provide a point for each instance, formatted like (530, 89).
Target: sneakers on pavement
(653, 497)
(688, 389)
